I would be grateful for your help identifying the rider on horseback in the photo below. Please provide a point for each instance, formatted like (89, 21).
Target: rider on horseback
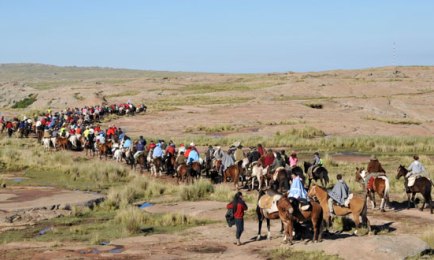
(416, 169)
(293, 160)
(140, 147)
(298, 192)
(374, 169)
(339, 194)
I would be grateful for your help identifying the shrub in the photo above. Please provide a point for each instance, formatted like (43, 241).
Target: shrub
(199, 190)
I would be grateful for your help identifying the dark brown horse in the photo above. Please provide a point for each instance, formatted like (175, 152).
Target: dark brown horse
(233, 172)
(280, 180)
(421, 185)
(380, 186)
(141, 162)
(289, 211)
(316, 173)
(357, 207)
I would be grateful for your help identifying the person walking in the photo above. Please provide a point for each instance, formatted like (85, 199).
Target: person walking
(238, 206)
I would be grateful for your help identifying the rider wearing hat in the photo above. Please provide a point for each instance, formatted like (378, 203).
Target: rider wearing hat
(374, 169)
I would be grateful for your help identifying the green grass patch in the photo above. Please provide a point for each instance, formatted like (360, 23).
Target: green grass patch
(139, 188)
(284, 252)
(26, 101)
(168, 104)
(394, 121)
(127, 93)
(200, 189)
(78, 96)
(98, 225)
(226, 86)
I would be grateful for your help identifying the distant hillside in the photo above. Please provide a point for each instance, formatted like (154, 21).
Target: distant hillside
(372, 101)
(33, 72)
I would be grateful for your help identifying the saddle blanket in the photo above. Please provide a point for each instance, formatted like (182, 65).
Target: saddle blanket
(269, 203)
(412, 180)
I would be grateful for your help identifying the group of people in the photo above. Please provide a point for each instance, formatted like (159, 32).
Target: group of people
(338, 195)
(69, 119)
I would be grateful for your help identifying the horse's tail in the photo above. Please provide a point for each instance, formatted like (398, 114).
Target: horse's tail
(387, 186)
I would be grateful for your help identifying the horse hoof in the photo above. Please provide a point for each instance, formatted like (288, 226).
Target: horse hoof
(382, 210)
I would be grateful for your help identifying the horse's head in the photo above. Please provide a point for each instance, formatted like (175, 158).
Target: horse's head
(317, 193)
(401, 171)
(359, 174)
(306, 166)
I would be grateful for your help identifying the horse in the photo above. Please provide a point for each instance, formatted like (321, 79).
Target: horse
(380, 186)
(289, 211)
(156, 164)
(103, 149)
(170, 163)
(357, 207)
(259, 173)
(320, 173)
(62, 142)
(267, 209)
(195, 170)
(233, 172)
(280, 181)
(421, 185)
(141, 161)
(182, 173)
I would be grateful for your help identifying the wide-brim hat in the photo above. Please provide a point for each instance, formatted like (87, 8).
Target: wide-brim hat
(373, 158)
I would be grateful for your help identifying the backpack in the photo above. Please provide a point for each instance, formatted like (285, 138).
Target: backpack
(230, 218)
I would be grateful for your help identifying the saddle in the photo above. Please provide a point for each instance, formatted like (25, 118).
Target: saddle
(269, 203)
(276, 172)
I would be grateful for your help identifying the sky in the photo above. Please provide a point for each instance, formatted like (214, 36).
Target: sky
(238, 36)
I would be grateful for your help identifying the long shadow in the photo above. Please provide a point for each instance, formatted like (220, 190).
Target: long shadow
(402, 205)
(386, 228)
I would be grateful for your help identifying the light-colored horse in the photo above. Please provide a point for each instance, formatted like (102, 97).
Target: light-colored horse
(357, 207)
(259, 173)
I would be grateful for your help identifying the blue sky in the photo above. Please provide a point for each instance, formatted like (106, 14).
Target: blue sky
(218, 35)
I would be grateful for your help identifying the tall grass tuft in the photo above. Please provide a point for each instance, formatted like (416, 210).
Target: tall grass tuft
(199, 190)
(139, 188)
(133, 219)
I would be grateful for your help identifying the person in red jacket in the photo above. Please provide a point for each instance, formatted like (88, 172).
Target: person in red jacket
(269, 158)
(239, 206)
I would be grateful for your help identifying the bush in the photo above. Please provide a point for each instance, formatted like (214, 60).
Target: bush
(199, 190)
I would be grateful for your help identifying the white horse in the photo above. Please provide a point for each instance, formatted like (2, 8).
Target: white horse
(259, 173)
(46, 142)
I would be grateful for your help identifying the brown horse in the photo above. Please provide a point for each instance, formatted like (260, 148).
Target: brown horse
(380, 186)
(141, 161)
(182, 173)
(421, 185)
(280, 181)
(320, 173)
(357, 207)
(62, 142)
(289, 211)
(103, 149)
(233, 172)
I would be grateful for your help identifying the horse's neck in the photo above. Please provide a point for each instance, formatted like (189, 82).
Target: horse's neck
(323, 197)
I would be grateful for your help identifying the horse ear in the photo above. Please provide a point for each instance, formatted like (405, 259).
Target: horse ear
(357, 168)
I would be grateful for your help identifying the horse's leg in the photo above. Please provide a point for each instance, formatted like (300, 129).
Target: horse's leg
(260, 219)
(268, 229)
(408, 200)
(372, 195)
(413, 195)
